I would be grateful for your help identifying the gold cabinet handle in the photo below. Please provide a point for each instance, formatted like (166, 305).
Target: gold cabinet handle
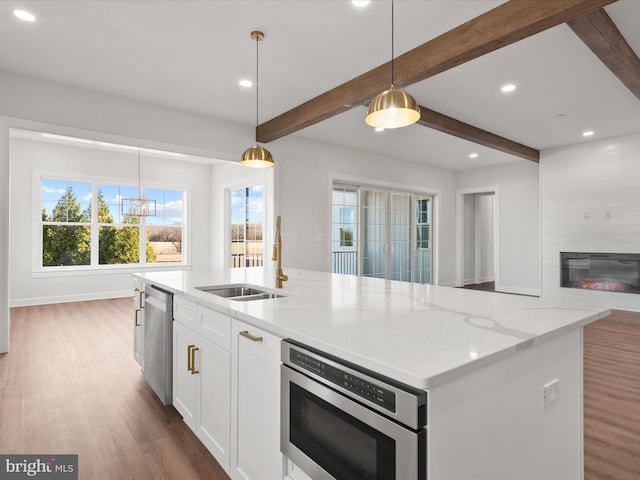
(137, 317)
(246, 334)
(141, 293)
(190, 358)
(193, 360)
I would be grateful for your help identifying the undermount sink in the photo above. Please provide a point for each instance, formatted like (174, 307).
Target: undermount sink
(239, 292)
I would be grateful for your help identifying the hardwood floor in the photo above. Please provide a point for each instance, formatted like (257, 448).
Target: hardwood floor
(70, 385)
(612, 397)
(485, 287)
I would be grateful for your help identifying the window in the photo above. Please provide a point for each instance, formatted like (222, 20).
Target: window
(381, 233)
(82, 225)
(247, 218)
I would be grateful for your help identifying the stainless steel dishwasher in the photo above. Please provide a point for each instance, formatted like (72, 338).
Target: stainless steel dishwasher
(158, 342)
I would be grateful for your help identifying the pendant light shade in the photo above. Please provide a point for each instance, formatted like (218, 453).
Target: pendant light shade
(257, 156)
(392, 108)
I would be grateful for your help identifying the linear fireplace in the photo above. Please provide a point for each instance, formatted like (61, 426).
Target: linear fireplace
(611, 272)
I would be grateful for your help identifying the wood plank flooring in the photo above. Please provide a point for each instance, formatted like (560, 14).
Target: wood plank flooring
(70, 385)
(612, 397)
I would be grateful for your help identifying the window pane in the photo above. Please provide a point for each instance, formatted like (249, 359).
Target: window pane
(119, 245)
(109, 199)
(169, 206)
(65, 201)
(65, 245)
(165, 243)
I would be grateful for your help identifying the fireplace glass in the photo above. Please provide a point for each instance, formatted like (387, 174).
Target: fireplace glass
(612, 272)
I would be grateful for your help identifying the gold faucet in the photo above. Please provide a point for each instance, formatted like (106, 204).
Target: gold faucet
(277, 256)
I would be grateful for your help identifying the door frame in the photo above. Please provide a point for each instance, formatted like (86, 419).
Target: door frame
(495, 190)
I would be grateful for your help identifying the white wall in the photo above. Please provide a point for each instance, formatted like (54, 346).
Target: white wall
(4, 234)
(580, 185)
(28, 157)
(518, 210)
(305, 198)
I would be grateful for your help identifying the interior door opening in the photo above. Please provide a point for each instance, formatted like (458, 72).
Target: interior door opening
(477, 239)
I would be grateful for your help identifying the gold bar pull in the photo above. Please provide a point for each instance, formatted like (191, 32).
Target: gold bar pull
(246, 334)
(193, 361)
(141, 293)
(137, 317)
(190, 358)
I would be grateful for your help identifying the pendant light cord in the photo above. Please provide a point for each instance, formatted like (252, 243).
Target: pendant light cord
(392, 35)
(139, 184)
(257, 77)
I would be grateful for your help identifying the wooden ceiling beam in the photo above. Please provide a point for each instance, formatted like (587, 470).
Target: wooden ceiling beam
(601, 35)
(504, 25)
(442, 123)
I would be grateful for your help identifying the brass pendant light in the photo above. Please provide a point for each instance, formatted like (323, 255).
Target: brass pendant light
(138, 207)
(257, 156)
(392, 108)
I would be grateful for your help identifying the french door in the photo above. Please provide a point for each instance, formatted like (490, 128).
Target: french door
(393, 234)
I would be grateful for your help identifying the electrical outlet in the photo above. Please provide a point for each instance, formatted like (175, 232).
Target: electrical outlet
(551, 393)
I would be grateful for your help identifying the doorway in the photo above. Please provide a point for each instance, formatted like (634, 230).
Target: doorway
(477, 238)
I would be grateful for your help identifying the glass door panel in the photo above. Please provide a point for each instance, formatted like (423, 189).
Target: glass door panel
(422, 257)
(400, 253)
(374, 233)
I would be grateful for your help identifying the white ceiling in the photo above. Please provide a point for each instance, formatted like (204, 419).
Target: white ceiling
(190, 55)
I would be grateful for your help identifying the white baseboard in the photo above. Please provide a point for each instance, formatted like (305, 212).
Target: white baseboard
(532, 292)
(26, 302)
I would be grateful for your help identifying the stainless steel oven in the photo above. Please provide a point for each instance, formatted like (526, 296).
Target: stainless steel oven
(341, 421)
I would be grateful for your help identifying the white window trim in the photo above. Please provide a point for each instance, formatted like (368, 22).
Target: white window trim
(40, 271)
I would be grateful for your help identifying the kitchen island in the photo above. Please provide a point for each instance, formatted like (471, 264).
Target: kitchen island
(503, 372)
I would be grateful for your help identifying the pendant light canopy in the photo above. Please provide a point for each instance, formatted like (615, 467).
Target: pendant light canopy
(392, 108)
(138, 207)
(257, 156)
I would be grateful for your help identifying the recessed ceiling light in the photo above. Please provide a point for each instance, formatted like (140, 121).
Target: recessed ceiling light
(473, 155)
(24, 15)
(509, 87)
(245, 83)
(588, 133)
(360, 3)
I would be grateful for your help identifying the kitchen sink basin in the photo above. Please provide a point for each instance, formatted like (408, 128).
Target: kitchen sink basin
(239, 292)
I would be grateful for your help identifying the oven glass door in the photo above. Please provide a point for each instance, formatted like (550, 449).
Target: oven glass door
(330, 436)
(341, 444)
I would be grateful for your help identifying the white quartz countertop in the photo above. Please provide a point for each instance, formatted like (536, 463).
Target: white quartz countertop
(421, 335)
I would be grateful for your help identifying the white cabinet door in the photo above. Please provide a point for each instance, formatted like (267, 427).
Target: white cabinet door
(202, 387)
(138, 320)
(255, 413)
(185, 382)
(214, 395)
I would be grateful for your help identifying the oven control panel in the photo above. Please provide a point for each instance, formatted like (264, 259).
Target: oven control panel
(345, 378)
